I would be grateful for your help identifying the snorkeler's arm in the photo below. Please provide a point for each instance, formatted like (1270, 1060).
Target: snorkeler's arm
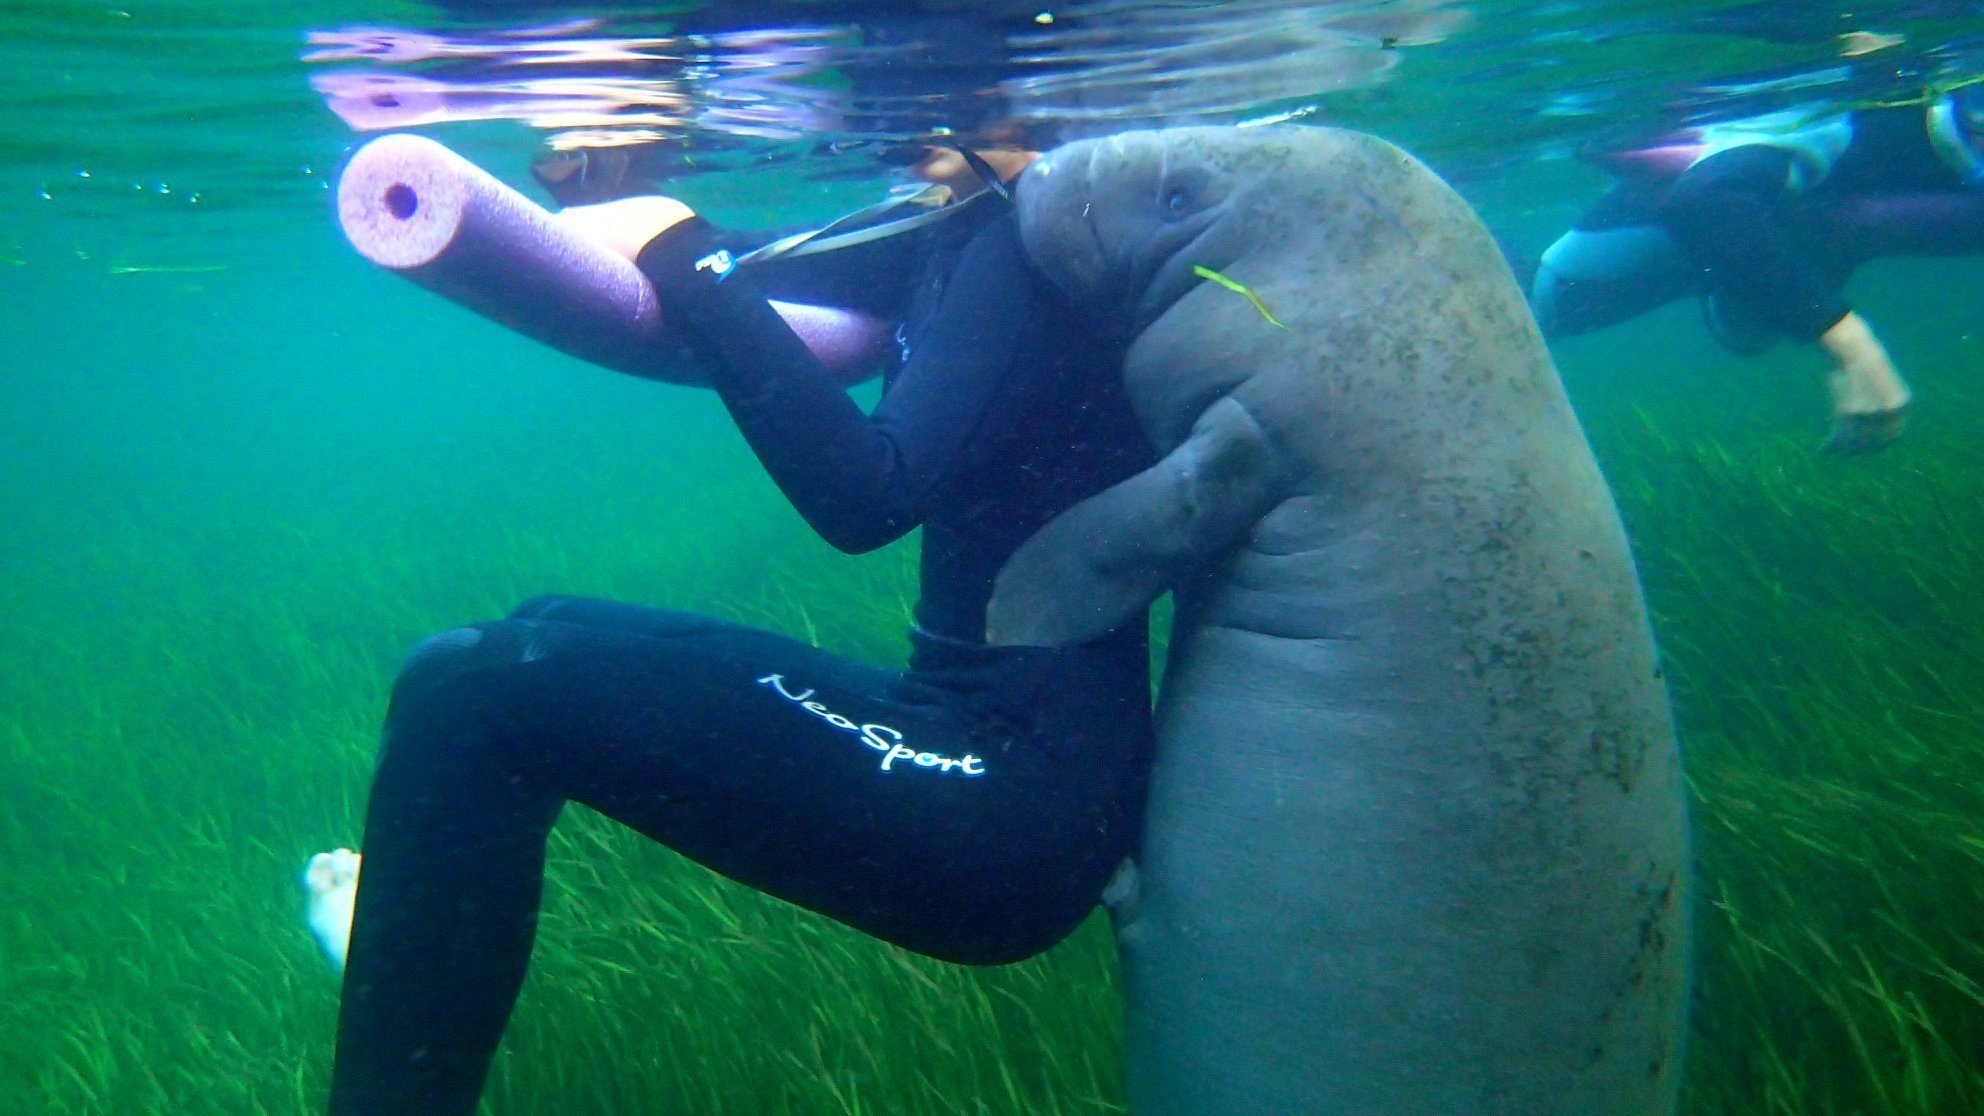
(1098, 564)
(861, 481)
(1728, 213)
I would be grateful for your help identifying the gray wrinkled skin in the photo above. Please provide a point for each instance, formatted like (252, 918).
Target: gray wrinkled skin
(1417, 839)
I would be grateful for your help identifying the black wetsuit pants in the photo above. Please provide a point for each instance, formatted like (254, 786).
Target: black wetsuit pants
(971, 809)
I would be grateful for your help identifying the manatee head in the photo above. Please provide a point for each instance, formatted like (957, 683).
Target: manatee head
(1329, 227)
(1118, 223)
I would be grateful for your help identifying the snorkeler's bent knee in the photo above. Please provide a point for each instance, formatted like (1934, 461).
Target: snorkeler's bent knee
(330, 879)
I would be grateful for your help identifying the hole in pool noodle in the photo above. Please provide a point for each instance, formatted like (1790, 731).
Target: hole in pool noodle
(401, 201)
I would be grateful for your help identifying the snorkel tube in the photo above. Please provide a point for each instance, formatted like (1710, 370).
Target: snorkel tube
(422, 211)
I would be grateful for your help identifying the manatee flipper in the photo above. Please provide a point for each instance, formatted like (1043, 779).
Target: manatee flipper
(1094, 566)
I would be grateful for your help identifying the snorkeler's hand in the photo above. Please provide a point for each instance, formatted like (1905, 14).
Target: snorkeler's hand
(625, 226)
(1869, 397)
(1865, 432)
(1869, 408)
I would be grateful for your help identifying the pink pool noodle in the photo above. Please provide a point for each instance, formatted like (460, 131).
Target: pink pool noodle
(412, 206)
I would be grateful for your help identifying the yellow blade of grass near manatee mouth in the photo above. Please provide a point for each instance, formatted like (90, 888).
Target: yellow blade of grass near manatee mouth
(1241, 289)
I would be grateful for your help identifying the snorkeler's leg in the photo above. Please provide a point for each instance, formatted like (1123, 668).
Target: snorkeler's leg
(483, 722)
(890, 805)
(971, 811)
(1860, 227)
(1615, 264)
(454, 843)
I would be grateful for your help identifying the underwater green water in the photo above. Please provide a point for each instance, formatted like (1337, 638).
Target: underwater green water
(241, 472)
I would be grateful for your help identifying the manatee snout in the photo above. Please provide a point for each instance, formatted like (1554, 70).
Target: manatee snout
(1054, 198)
(1122, 224)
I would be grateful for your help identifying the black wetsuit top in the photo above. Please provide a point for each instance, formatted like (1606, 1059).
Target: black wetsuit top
(985, 431)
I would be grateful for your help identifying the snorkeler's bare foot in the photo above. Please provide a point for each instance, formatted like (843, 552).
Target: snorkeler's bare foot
(1865, 433)
(331, 879)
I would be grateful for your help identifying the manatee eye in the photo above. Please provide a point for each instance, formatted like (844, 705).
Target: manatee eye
(1177, 201)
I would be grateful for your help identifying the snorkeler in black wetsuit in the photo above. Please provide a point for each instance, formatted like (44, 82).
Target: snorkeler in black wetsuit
(971, 808)
(1766, 219)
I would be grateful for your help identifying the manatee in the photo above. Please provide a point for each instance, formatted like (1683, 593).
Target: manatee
(1417, 837)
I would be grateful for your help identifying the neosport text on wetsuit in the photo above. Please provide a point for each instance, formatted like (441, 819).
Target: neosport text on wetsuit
(872, 735)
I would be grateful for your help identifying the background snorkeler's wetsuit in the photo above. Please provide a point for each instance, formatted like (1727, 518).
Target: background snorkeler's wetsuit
(971, 808)
(1772, 256)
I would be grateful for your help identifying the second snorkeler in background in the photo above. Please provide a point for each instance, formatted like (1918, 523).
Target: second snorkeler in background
(1766, 219)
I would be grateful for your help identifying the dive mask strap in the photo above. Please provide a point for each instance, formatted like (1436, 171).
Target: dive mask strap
(985, 173)
(872, 222)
